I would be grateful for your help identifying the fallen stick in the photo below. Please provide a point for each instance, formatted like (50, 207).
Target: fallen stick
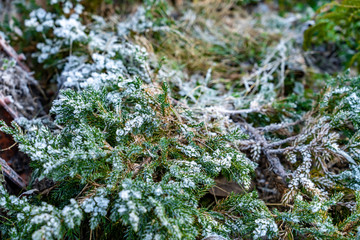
(4, 103)
(11, 174)
(12, 53)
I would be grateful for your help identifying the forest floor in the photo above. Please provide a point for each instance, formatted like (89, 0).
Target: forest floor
(243, 64)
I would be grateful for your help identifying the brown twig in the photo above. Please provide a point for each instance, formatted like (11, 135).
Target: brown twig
(281, 142)
(274, 161)
(140, 167)
(276, 127)
(12, 53)
(11, 174)
(241, 111)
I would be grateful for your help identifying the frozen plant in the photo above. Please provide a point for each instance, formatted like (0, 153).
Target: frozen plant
(141, 166)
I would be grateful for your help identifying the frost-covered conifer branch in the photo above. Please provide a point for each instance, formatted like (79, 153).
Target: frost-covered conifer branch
(142, 165)
(131, 154)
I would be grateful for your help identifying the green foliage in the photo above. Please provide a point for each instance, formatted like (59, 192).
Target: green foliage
(136, 145)
(337, 22)
(250, 209)
(142, 167)
(142, 164)
(331, 134)
(315, 219)
(312, 218)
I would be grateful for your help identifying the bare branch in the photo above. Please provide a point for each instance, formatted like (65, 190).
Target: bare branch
(278, 168)
(283, 150)
(274, 161)
(241, 111)
(276, 127)
(281, 142)
(11, 174)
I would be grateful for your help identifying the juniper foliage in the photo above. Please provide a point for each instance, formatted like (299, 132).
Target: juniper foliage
(126, 156)
(143, 166)
(336, 24)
